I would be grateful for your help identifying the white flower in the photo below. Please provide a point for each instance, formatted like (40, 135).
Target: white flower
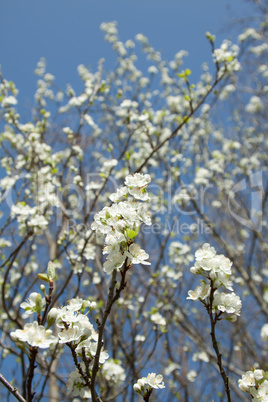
(249, 33)
(69, 317)
(120, 192)
(113, 371)
(143, 214)
(158, 319)
(155, 381)
(103, 355)
(253, 383)
(255, 105)
(213, 266)
(247, 381)
(38, 221)
(30, 305)
(70, 334)
(262, 391)
(152, 70)
(264, 333)
(140, 338)
(137, 255)
(258, 374)
(201, 292)
(216, 264)
(206, 251)
(149, 382)
(139, 193)
(201, 356)
(202, 176)
(75, 304)
(191, 375)
(34, 334)
(8, 101)
(137, 180)
(113, 243)
(229, 303)
(110, 163)
(116, 261)
(76, 385)
(222, 279)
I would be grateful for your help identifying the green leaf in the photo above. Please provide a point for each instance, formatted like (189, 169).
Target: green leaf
(188, 72)
(43, 277)
(127, 155)
(51, 270)
(132, 233)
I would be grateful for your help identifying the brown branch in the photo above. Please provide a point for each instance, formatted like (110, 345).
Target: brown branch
(213, 321)
(185, 120)
(11, 260)
(12, 389)
(112, 297)
(146, 397)
(33, 354)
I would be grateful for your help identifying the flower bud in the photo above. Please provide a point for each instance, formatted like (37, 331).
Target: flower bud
(137, 388)
(38, 304)
(43, 289)
(52, 316)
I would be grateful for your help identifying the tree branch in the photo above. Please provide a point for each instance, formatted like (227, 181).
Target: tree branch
(12, 389)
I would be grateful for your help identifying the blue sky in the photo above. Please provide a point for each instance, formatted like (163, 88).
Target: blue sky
(67, 33)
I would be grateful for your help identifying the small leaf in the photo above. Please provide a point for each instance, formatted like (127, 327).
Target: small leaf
(43, 277)
(132, 233)
(51, 270)
(187, 72)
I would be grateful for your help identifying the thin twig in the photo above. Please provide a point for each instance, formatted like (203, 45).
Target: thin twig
(213, 321)
(110, 301)
(12, 389)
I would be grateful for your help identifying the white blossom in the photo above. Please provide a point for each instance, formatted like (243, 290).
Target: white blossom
(229, 303)
(158, 319)
(201, 292)
(137, 255)
(137, 180)
(264, 333)
(30, 305)
(35, 335)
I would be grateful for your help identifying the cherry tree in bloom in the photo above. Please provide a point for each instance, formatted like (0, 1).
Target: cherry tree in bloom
(111, 304)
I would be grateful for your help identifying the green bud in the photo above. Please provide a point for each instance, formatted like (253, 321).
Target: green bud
(210, 37)
(43, 277)
(43, 289)
(52, 316)
(51, 270)
(38, 304)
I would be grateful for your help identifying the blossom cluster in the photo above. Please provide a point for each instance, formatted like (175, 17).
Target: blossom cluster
(121, 222)
(226, 56)
(217, 270)
(255, 383)
(145, 385)
(75, 330)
